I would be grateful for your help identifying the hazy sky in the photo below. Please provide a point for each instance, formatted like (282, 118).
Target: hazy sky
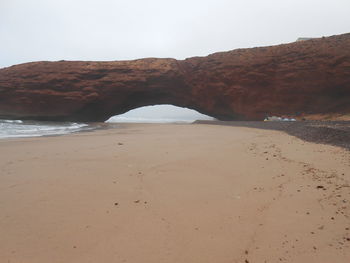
(32, 30)
(160, 113)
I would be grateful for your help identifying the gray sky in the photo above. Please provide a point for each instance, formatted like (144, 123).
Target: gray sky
(160, 113)
(32, 30)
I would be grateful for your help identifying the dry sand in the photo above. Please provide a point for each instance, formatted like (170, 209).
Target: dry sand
(173, 193)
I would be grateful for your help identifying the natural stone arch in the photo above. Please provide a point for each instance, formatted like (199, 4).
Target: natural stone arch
(308, 78)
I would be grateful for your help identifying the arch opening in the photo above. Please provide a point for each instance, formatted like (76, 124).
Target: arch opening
(163, 113)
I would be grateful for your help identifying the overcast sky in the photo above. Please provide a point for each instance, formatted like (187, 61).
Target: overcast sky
(160, 113)
(32, 30)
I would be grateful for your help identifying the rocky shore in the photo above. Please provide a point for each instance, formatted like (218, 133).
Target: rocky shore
(336, 133)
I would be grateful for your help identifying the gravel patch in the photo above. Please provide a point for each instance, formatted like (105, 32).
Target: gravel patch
(336, 133)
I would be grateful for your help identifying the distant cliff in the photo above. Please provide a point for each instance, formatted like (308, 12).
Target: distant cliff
(301, 79)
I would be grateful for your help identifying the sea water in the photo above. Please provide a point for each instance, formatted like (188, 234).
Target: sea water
(149, 114)
(122, 119)
(19, 128)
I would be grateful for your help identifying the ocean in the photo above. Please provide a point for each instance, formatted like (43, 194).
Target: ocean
(148, 114)
(19, 128)
(122, 119)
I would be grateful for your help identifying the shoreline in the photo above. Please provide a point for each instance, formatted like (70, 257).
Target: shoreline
(335, 133)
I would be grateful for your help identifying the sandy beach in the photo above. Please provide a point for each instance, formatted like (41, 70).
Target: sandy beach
(174, 193)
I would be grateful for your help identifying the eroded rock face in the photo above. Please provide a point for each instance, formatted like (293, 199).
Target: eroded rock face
(309, 78)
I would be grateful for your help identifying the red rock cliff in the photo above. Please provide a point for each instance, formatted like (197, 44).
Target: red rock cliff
(308, 78)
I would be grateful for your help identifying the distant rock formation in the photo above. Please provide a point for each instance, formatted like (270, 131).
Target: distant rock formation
(301, 79)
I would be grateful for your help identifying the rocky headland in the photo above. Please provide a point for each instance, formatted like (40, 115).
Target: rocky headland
(308, 79)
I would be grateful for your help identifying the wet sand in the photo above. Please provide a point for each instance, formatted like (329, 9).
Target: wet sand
(174, 193)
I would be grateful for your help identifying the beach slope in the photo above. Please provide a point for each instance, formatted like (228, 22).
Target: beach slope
(173, 193)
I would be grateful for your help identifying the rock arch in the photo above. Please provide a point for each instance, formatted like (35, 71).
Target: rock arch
(308, 78)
